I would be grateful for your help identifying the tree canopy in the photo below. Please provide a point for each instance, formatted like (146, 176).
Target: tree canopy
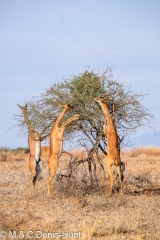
(79, 92)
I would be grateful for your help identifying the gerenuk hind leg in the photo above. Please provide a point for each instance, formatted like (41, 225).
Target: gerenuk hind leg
(32, 167)
(53, 166)
(109, 170)
(38, 171)
(120, 178)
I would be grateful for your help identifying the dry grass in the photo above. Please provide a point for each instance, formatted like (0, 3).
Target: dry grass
(76, 206)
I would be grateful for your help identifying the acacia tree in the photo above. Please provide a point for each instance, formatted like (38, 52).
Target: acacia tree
(79, 92)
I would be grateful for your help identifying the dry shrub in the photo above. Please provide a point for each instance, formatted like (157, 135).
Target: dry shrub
(135, 152)
(6, 156)
(9, 156)
(3, 156)
(154, 151)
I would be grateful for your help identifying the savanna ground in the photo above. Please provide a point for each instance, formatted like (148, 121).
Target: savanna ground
(77, 208)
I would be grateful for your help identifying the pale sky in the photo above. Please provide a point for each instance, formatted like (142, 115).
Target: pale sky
(43, 41)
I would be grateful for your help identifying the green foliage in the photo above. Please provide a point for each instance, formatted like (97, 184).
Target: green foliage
(84, 87)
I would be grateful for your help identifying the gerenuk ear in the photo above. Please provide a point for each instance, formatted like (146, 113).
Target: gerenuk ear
(19, 106)
(22, 108)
